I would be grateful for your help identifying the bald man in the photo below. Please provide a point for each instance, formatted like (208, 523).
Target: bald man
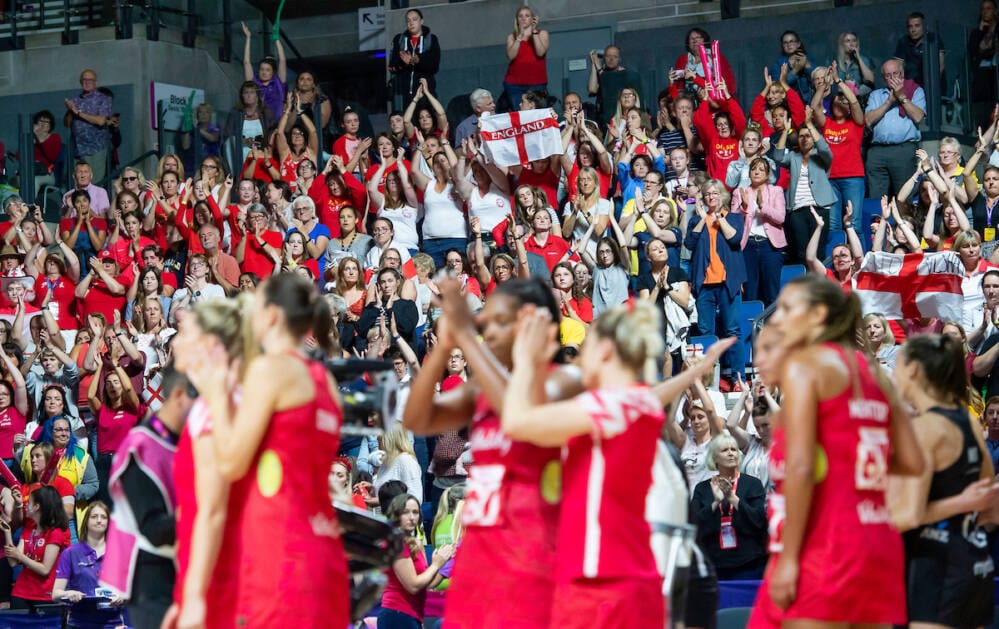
(89, 115)
(893, 114)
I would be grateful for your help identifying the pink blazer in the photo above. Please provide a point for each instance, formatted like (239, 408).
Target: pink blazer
(773, 213)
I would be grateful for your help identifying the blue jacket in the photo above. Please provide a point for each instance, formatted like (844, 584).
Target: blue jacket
(729, 251)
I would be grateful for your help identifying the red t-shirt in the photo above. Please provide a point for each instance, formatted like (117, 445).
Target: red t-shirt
(99, 298)
(64, 294)
(397, 598)
(113, 425)
(844, 140)
(552, 251)
(66, 225)
(256, 259)
(547, 181)
(11, 423)
(28, 584)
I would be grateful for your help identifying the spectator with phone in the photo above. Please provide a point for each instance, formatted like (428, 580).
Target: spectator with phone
(607, 78)
(688, 75)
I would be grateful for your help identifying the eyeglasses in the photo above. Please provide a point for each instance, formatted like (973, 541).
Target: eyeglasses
(791, 41)
(380, 230)
(60, 430)
(133, 178)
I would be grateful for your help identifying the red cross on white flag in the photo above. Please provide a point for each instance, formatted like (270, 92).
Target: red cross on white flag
(520, 137)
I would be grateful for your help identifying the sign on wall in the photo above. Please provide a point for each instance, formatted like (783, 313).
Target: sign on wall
(371, 28)
(177, 99)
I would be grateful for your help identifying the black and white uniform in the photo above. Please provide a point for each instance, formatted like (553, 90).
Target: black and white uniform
(949, 569)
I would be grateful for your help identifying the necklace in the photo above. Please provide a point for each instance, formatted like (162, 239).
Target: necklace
(347, 245)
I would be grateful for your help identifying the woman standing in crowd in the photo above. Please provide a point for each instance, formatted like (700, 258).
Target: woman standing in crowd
(117, 409)
(400, 463)
(79, 571)
(526, 48)
(398, 203)
(730, 511)
(763, 238)
(296, 144)
(411, 576)
(843, 131)
(286, 398)
(846, 259)
(841, 434)
(444, 225)
(809, 187)
(43, 538)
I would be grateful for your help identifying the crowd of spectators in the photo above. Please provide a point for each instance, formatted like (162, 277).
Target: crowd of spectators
(677, 197)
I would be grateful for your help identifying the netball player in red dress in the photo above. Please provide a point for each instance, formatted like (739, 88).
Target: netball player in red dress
(835, 558)
(606, 575)
(276, 448)
(206, 585)
(504, 570)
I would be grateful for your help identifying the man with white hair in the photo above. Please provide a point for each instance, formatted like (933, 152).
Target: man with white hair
(482, 101)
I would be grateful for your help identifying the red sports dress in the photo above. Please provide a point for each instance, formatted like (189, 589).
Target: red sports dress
(852, 565)
(222, 586)
(606, 574)
(292, 567)
(504, 573)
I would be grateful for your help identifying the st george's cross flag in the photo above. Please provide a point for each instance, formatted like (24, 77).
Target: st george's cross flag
(912, 286)
(520, 137)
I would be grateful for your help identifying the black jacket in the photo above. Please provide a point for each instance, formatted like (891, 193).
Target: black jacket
(407, 77)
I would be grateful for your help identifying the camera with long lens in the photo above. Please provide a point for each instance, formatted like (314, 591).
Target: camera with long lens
(369, 390)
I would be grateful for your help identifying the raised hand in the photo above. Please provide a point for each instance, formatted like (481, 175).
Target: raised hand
(246, 29)
(819, 223)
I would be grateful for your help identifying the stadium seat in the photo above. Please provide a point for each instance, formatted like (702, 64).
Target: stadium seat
(790, 271)
(872, 208)
(836, 237)
(733, 617)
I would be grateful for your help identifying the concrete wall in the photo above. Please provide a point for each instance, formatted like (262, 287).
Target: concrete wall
(45, 73)
(651, 34)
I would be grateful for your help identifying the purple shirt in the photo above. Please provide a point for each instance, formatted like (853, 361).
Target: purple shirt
(272, 95)
(91, 139)
(81, 567)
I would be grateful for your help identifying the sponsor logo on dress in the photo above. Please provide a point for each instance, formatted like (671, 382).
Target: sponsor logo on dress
(324, 526)
(935, 535)
(869, 409)
(869, 512)
(326, 422)
(983, 568)
(490, 439)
